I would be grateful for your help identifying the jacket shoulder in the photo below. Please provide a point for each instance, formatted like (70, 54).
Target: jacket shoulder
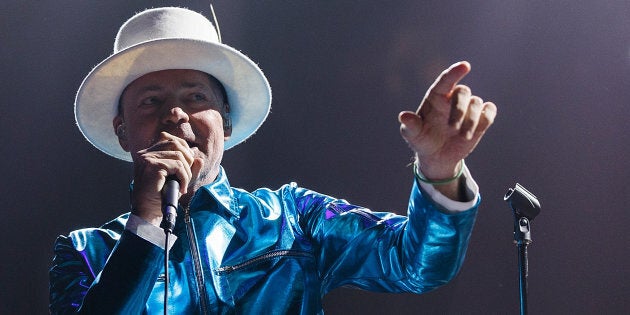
(101, 237)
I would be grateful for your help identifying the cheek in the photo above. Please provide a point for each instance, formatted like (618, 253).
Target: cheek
(212, 125)
(141, 137)
(208, 130)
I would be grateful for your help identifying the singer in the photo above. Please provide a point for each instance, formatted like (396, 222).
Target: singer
(171, 99)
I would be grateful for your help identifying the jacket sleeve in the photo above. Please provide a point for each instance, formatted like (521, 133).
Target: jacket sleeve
(85, 278)
(381, 251)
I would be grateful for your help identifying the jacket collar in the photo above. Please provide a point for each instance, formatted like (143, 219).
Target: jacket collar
(220, 191)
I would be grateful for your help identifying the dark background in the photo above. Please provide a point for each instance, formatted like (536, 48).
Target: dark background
(340, 72)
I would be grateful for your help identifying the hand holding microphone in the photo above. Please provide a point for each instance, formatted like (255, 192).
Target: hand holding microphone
(162, 173)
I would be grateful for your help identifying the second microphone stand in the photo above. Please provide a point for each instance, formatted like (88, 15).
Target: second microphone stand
(525, 206)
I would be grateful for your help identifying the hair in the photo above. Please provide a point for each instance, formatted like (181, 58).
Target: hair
(221, 87)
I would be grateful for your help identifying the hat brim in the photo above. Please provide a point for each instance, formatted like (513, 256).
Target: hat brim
(247, 88)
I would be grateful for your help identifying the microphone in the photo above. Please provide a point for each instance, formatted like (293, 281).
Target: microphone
(170, 196)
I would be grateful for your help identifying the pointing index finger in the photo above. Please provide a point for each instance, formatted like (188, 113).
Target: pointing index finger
(449, 78)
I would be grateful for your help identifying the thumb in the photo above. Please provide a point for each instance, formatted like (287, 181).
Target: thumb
(410, 125)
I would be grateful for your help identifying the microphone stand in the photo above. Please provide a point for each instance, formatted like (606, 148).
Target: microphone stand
(522, 238)
(525, 206)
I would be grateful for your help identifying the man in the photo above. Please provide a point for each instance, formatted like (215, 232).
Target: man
(177, 98)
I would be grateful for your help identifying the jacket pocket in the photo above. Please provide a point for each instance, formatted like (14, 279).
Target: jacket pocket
(268, 273)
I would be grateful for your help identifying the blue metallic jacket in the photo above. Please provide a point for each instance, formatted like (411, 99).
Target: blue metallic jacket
(261, 252)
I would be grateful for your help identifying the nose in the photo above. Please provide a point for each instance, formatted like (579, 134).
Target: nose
(174, 114)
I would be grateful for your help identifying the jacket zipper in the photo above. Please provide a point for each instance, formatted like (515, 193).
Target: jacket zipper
(274, 254)
(192, 240)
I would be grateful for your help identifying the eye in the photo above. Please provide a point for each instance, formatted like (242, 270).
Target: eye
(151, 101)
(199, 100)
(199, 97)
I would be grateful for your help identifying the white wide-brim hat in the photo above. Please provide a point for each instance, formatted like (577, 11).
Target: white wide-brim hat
(162, 39)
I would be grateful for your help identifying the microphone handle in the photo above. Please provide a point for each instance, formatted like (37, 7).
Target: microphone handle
(170, 197)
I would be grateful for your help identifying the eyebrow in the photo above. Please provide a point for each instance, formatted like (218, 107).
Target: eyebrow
(150, 88)
(186, 85)
(194, 84)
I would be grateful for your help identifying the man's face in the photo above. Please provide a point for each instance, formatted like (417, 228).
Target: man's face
(184, 103)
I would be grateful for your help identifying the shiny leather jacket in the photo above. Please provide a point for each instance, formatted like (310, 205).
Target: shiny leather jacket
(261, 252)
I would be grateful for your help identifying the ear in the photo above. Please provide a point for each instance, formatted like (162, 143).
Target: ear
(121, 132)
(227, 121)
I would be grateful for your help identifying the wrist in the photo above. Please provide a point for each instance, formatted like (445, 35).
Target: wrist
(438, 176)
(149, 216)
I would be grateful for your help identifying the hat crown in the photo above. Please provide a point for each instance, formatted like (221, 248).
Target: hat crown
(162, 23)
